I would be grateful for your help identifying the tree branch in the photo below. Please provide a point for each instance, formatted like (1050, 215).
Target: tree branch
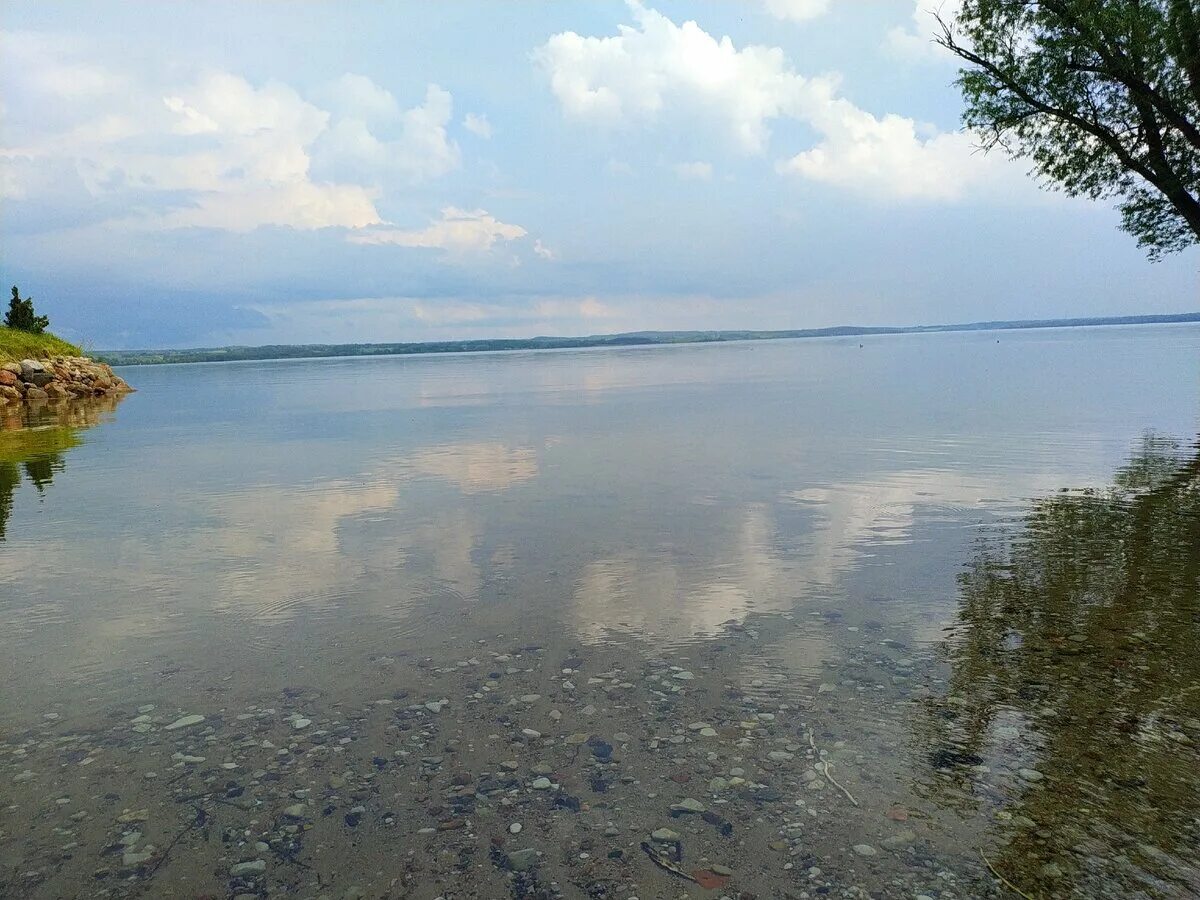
(1119, 68)
(1098, 131)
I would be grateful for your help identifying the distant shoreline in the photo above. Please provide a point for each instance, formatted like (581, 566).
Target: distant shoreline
(628, 339)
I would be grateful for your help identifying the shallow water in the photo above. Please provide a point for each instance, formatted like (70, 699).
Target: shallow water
(937, 595)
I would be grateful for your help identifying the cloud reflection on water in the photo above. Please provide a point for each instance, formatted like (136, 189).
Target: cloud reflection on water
(477, 467)
(665, 595)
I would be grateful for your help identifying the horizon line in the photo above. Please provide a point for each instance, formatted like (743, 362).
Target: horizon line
(636, 338)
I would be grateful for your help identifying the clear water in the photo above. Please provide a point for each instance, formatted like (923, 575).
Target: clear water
(872, 541)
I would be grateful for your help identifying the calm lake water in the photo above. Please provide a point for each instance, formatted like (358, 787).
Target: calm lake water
(936, 598)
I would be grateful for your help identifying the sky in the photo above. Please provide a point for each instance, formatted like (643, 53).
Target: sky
(195, 174)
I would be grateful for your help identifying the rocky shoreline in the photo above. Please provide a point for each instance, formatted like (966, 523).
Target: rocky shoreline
(58, 378)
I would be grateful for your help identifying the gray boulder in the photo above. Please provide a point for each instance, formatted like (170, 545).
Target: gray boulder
(521, 860)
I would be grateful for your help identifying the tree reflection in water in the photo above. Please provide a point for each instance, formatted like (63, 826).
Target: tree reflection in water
(34, 440)
(1072, 714)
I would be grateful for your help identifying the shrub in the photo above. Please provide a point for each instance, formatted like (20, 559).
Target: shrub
(21, 315)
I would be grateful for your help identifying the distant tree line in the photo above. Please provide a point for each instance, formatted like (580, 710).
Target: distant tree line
(635, 339)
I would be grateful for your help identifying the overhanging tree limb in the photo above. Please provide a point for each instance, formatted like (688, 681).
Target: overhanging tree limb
(1093, 128)
(1102, 95)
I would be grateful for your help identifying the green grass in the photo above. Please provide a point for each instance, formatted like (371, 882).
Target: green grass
(18, 345)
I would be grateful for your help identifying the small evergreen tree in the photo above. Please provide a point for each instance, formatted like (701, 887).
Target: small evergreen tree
(21, 315)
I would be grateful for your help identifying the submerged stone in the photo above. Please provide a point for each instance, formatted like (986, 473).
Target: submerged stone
(184, 722)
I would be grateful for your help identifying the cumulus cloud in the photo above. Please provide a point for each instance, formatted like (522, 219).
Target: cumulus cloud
(694, 171)
(253, 137)
(658, 67)
(478, 124)
(459, 233)
(224, 153)
(215, 151)
(543, 251)
(885, 154)
(797, 10)
(249, 165)
(382, 141)
(240, 159)
(357, 96)
(658, 71)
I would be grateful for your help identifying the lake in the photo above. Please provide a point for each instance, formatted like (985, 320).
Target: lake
(888, 616)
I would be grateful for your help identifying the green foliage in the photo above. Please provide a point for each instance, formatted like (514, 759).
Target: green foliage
(1102, 96)
(21, 315)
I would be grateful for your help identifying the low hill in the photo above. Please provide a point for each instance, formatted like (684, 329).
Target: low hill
(18, 345)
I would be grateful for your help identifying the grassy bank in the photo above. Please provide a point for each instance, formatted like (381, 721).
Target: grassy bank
(18, 345)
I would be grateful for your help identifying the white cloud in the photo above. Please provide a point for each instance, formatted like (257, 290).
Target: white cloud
(252, 137)
(228, 154)
(694, 171)
(301, 205)
(12, 186)
(427, 149)
(915, 42)
(478, 124)
(661, 67)
(217, 151)
(359, 97)
(252, 166)
(660, 71)
(797, 10)
(48, 64)
(543, 251)
(244, 158)
(421, 149)
(222, 103)
(459, 233)
(885, 155)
